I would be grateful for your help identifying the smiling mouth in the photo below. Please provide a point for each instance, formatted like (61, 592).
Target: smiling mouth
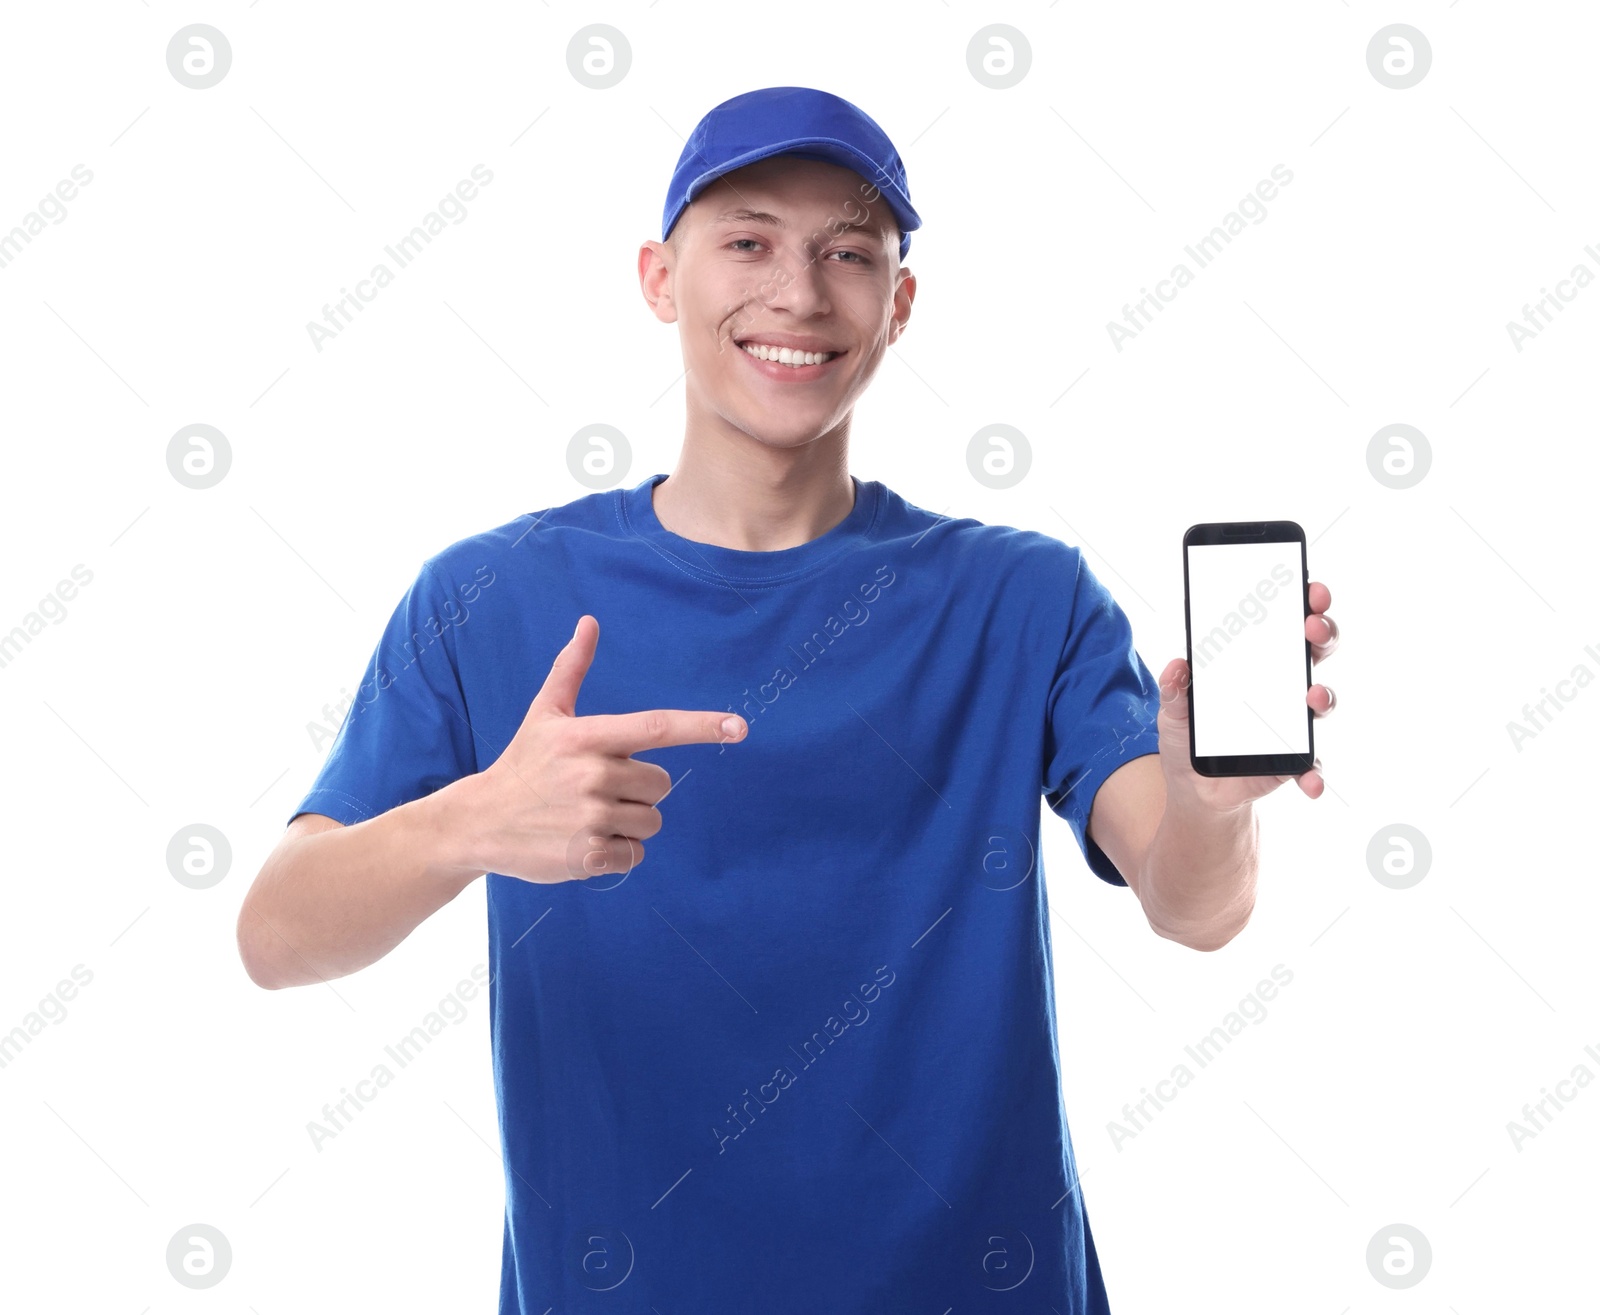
(786, 356)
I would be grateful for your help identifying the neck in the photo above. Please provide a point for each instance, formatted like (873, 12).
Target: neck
(733, 491)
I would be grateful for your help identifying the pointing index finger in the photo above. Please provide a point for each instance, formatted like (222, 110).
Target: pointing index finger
(626, 733)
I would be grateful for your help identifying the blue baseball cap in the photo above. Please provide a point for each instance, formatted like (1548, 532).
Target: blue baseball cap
(803, 121)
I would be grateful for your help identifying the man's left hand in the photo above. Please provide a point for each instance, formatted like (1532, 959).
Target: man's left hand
(1227, 793)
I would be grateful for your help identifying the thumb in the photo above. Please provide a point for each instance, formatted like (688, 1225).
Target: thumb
(559, 693)
(1174, 684)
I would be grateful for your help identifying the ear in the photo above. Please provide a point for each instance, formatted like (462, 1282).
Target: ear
(656, 262)
(905, 292)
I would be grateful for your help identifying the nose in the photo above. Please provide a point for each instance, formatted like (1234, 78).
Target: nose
(798, 285)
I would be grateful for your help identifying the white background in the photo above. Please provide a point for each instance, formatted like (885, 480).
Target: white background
(179, 686)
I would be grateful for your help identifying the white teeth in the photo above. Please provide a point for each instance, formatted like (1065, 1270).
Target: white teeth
(785, 356)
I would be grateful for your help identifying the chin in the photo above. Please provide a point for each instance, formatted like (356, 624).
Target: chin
(784, 437)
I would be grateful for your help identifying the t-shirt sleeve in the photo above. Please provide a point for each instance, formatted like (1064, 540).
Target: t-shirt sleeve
(406, 733)
(1101, 711)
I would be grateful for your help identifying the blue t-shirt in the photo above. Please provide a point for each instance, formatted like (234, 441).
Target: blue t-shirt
(804, 1056)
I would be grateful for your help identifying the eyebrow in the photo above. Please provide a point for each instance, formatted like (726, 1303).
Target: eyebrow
(747, 216)
(750, 217)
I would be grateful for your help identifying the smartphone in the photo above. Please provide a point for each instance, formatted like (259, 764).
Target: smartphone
(1246, 596)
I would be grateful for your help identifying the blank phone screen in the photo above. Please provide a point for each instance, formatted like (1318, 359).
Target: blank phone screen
(1248, 643)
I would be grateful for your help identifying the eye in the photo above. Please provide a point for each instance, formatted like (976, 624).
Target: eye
(858, 257)
(737, 240)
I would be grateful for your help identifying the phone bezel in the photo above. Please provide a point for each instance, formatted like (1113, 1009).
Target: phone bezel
(1259, 764)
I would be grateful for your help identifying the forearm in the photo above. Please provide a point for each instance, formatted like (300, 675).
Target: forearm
(1198, 883)
(329, 903)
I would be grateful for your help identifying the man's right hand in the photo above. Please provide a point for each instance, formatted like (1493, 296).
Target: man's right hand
(565, 801)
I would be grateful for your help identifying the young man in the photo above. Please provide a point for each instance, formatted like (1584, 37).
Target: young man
(784, 1038)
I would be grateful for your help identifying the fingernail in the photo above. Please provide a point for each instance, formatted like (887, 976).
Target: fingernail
(731, 726)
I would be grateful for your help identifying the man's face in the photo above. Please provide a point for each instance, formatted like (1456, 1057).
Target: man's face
(786, 252)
